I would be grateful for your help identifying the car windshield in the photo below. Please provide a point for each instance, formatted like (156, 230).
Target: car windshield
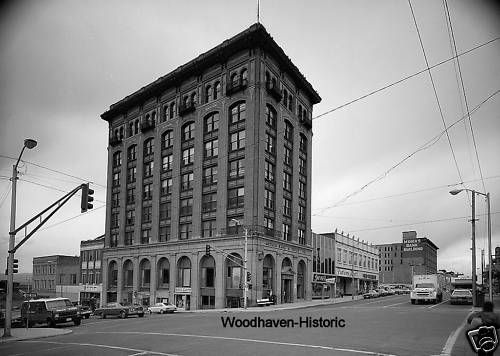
(56, 304)
(425, 285)
(114, 305)
(461, 293)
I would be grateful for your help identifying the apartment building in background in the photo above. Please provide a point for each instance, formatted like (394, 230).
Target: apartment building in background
(56, 276)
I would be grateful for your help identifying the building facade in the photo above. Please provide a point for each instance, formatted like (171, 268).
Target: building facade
(342, 265)
(400, 261)
(91, 271)
(56, 276)
(218, 149)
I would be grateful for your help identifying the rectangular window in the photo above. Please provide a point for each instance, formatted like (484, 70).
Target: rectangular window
(165, 211)
(167, 140)
(287, 235)
(287, 156)
(269, 172)
(269, 199)
(287, 181)
(146, 236)
(130, 217)
(209, 228)
(164, 234)
(166, 163)
(287, 207)
(269, 223)
(209, 202)
(116, 180)
(148, 169)
(270, 144)
(210, 175)
(117, 159)
(132, 153)
(129, 238)
(166, 186)
(113, 240)
(302, 189)
(302, 213)
(236, 198)
(212, 123)
(237, 140)
(303, 144)
(147, 214)
(130, 195)
(188, 156)
(131, 174)
(115, 200)
(185, 231)
(148, 192)
(302, 166)
(187, 181)
(208, 277)
(186, 207)
(211, 149)
(236, 169)
(302, 237)
(114, 220)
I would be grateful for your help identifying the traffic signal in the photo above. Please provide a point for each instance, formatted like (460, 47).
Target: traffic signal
(87, 198)
(15, 265)
(207, 250)
(249, 277)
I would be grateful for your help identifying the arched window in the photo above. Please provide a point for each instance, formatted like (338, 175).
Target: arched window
(113, 274)
(153, 117)
(244, 75)
(271, 116)
(208, 94)
(211, 123)
(148, 146)
(128, 274)
(167, 139)
(172, 110)
(237, 113)
(165, 113)
(188, 131)
(217, 90)
(184, 272)
(163, 273)
(145, 273)
(194, 98)
(234, 79)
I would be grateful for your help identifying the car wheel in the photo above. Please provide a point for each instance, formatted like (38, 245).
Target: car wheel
(77, 321)
(123, 315)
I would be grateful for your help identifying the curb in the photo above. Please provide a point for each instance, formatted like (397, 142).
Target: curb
(32, 337)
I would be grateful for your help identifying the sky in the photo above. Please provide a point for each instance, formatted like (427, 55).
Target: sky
(382, 164)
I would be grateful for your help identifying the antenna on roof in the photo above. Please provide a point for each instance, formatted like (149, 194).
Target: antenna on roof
(258, 11)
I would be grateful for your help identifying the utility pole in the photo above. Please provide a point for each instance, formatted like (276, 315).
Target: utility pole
(473, 249)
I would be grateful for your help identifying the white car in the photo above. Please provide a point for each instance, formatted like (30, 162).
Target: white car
(162, 308)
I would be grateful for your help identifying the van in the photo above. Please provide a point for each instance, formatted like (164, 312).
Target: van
(49, 311)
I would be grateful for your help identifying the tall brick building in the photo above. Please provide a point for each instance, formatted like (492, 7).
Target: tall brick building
(219, 146)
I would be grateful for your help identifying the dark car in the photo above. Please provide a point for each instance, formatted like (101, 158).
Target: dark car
(49, 311)
(461, 296)
(84, 311)
(120, 310)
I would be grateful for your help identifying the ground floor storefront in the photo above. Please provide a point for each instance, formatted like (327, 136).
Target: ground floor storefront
(184, 275)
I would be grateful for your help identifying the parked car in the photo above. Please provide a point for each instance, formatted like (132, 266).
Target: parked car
(84, 311)
(51, 311)
(382, 292)
(461, 296)
(120, 310)
(371, 294)
(162, 308)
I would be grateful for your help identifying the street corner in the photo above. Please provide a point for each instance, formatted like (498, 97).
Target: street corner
(34, 333)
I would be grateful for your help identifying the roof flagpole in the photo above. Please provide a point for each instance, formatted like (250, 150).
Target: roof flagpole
(258, 11)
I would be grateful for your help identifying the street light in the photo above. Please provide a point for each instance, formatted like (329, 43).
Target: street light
(28, 143)
(245, 289)
(473, 221)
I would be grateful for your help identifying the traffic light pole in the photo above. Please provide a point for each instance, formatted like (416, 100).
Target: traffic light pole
(245, 290)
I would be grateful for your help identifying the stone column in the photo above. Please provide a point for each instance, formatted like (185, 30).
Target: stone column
(153, 280)
(295, 268)
(277, 274)
(195, 286)
(119, 282)
(104, 281)
(219, 281)
(135, 288)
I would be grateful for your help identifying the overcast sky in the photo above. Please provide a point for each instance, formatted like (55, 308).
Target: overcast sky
(63, 63)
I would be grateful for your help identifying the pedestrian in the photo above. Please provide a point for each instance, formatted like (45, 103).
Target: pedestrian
(486, 317)
(484, 339)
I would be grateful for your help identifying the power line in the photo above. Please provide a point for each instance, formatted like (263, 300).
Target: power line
(5, 194)
(435, 92)
(56, 171)
(404, 79)
(465, 95)
(425, 146)
(53, 188)
(69, 219)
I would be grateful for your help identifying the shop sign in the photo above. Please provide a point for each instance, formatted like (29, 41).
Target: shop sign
(369, 276)
(344, 273)
(330, 280)
(319, 278)
(182, 290)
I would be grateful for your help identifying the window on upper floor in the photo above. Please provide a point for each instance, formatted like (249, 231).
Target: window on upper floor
(287, 181)
(131, 174)
(147, 193)
(148, 169)
(132, 153)
(270, 143)
(149, 146)
(167, 139)
(236, 198)
(285, 98)
(209, 203)
(209, 94)
(217, 90)
(269, 171)
(287, 207)
(188, 131)
(237, 113)
(167, 163)
(147, 214)
(211, 149)
(211, 123)
(302, 166)
(188, 156)
(172, 110)
(237, 140)
(187, 181)
(303, 144)
(166, 186)
(271, 116)
(165, 210)
(236, 169)
(117, 159)
(244, 75)
(130, 220)
(186, 207)
(210, 175)
(269, 199)
(288, 132)
(287, 156)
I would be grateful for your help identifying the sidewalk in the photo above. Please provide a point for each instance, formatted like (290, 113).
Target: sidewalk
(19, 334)
(286, 306)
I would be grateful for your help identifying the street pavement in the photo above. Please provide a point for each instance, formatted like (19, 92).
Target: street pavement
(383, 326)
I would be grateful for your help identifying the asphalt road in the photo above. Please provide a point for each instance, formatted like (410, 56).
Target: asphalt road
(384, 326)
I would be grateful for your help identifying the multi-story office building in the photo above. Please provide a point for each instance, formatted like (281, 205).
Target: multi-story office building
(55, 275)
(343, 265)
(215, 149)
(91, 271)
(400, 261)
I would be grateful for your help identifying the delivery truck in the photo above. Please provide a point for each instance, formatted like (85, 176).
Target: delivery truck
(427, 287)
